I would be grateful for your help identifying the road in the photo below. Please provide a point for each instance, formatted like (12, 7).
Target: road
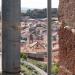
(36, 68)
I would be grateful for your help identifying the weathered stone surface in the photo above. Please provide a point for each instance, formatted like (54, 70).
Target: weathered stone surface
(67, 50)
(67, 12)
(67, 37)
(10, 37)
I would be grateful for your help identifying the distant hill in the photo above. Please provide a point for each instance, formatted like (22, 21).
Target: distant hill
(38, 13)
(24, 10)
(54, 12)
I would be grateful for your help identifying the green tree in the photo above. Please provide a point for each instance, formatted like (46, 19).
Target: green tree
(23, 56)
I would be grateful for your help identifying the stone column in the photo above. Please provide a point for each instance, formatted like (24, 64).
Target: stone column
(10, 37)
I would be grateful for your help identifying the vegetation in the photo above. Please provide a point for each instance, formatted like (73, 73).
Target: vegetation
(28, 70)
(39, 64)
(23, 56)
(36, 13)
(39, 13)
(55, 69)
(43, 66)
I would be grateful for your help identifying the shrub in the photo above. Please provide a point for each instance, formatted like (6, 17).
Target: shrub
(28, 70)
(39, 64)
(55, 69)
(23, 56)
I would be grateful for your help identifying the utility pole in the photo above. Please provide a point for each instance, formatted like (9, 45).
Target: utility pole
(49, 36)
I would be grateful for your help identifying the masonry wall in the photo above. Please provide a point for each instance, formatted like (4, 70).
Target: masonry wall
(67, 51)
(67, 37)
(67, 12)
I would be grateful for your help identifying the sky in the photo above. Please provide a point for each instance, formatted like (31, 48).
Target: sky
(36, 3)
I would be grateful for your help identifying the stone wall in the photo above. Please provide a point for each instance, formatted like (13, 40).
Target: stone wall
(67, 12)
(67, 37)
(67, 51)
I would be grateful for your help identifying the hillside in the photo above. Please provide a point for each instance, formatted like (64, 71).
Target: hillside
(39, 13)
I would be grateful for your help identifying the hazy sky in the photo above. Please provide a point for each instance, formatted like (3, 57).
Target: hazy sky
(37, 3)
(55, 3)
